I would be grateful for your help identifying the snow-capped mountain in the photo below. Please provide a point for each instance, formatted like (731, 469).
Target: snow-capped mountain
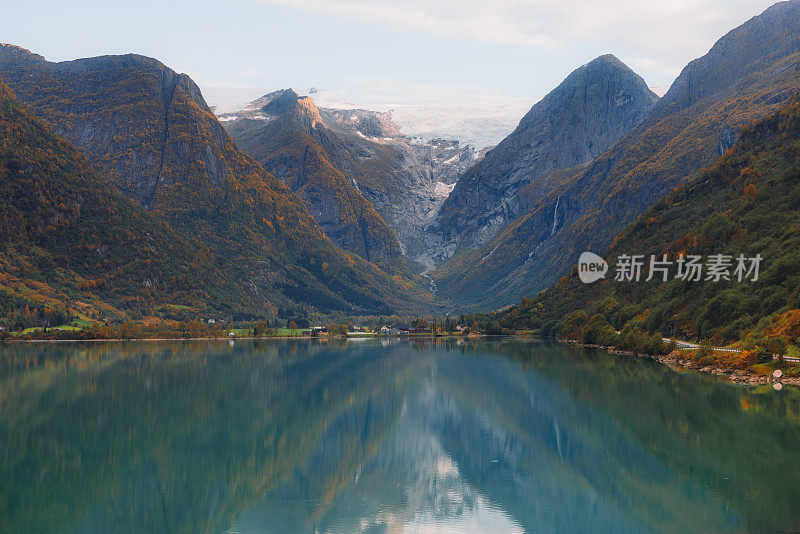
(479, 123)
(366, 158)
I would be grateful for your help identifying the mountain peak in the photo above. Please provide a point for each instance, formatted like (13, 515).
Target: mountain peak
(287, 103)
(607, 59)
(278, 102)
(584, 116)
(605, 69)
(15, 61)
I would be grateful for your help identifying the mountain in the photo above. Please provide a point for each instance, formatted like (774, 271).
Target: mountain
(279, 132)
(363, 159)
(72, 246)
(477, 120)
(150, 132)
(747, 75)
(744, 204)
(579, 120)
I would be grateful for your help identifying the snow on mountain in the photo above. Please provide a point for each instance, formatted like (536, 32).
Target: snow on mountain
(326, 99)
(479, 122)
(230, 99)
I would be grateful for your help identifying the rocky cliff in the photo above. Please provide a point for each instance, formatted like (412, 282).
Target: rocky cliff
(149, 130)
(280, 131)
(747, 75)
(579, 120)
(370, 162)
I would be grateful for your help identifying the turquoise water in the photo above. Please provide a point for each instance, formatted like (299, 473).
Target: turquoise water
(385, 436)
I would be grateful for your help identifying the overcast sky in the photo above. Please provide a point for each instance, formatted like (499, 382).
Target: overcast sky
(383, 50)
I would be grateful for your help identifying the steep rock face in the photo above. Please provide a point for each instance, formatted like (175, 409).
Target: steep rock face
(747, 75)
(150, 131)
(279, 132)
(579, 120)
(88, 101)
(745, 203)
(405, 182)
(68, 239)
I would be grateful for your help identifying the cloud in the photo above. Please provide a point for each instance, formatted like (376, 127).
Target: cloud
(667, 33)
(251, 73)
(464, 19)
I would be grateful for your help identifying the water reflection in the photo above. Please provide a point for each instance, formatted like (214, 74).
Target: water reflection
(384, 436)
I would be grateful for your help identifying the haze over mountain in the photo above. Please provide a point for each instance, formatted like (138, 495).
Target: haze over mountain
(747, 75)
(150, 132)
(480, 122)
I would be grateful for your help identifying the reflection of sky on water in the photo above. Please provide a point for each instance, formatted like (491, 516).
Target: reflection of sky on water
(477, 445)
(384, 436)
(410, 485)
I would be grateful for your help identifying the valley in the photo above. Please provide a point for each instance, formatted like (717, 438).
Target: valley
(398, 266)
(300, 205)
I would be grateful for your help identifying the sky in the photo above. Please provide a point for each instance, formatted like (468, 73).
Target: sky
(383, 51)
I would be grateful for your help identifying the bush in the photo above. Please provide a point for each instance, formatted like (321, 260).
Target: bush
(653, 345)
(599, 331)
(704, 351)
(573, 324)
(776, 345)
(763, 355)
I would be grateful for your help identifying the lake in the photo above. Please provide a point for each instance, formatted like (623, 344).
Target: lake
(393, 435)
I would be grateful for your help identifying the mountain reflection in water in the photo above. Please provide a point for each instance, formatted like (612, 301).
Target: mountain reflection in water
(385, 436)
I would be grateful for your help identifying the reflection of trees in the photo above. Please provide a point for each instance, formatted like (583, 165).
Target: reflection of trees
(738, 443)
(299, 436)
(549, 458)
(561, 437)
(139, 437)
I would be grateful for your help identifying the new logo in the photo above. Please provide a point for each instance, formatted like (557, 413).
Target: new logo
(591, 267)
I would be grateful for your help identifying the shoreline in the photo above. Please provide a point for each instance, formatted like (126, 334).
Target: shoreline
(676, 361)
(239, 338)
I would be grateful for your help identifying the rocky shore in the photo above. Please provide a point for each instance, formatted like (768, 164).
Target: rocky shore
(679, 359)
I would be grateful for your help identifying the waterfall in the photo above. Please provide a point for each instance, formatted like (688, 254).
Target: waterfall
(555, 217)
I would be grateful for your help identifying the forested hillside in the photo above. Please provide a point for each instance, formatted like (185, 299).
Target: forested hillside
(748, 74)
(150, 131)
(71, 246)
(743, 205)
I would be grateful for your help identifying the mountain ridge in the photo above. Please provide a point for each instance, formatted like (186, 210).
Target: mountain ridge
(284, 141)
(180, 163)
(588, 209)
(582, 117)
(743, 204)
(404, 181)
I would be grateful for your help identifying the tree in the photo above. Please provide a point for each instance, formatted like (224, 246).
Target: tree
(259, 328)
(599, 331)
(778, 346)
